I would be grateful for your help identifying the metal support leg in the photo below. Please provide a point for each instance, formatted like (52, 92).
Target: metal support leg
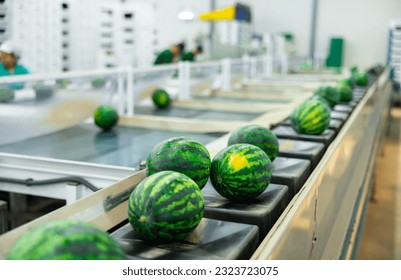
(121, 96)
(226, 74)
(18, 206)
(130, 92)
(3, 217)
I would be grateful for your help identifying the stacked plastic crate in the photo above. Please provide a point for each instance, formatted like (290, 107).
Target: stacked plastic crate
(5, 18)
(127, 35)
(36, 30)
(65, 31)
(394, 51)
(83, 34)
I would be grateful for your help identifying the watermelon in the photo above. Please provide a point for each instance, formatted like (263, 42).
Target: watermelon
(321, 99)
(311, 117)
(161, 98)
(181, 154)
(65, 240)
(105, 117)
(6, 94)
(43, 91)
(331, 94)
(353, 69)
(257, 135)
(345, 91)
(241, 172)
(166, 206)
(361, 79)
(348, 81)
(98, 82)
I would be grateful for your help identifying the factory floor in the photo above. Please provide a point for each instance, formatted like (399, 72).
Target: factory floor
(381, 239)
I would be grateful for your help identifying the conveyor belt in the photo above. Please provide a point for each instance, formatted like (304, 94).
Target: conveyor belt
(292, 172)
(123, 146)
(267, 207)
(262, 211)
(287, 132)
(211, 240)
(311, 151)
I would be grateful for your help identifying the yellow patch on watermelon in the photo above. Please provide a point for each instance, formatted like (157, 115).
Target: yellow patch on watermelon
(238, 162)
(162, 99)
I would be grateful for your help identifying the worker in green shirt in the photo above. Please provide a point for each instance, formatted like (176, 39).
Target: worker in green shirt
(170, 55)
(190, 56)
(9, 57)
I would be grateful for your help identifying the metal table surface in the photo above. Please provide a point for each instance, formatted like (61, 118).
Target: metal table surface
(25, 118)
(123, 146)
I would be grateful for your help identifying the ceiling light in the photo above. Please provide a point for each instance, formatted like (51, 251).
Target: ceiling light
(186, 15)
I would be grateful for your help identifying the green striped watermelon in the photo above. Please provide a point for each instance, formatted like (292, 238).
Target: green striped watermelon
(348, 81)
(166, 206)
(181, 154)
(361, 78)
(311, 117)
(321, 99)
(105, 117)
(65, 240)
(98, 82)
(331, 94)
(345, 91)
(241, 172)
(353, 69)
(161, 98)
(257, 135)
(6, 94)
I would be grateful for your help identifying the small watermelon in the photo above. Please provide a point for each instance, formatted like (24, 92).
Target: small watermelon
(161, 98)
(353, 69)
(257, 135)
(311, 117)
(66, 240)
(181, 154)
(105, 117)
(323, 100)
(361, 79)
(345, 91)
(98, 82)
(6, 94)
(166, 206)
(241, 172)
(348, 81)
(331, 94)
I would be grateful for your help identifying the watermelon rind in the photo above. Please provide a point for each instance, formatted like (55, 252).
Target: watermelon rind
(257, 135)
(181, 154)
(311, 117)
(105, 117)
(330, 93)
(66, 240)
(241, 172)
(361, 79)
(161, 99)
(345, 91)
(165, 207)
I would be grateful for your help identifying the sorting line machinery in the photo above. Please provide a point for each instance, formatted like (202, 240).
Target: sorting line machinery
(313, 208)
